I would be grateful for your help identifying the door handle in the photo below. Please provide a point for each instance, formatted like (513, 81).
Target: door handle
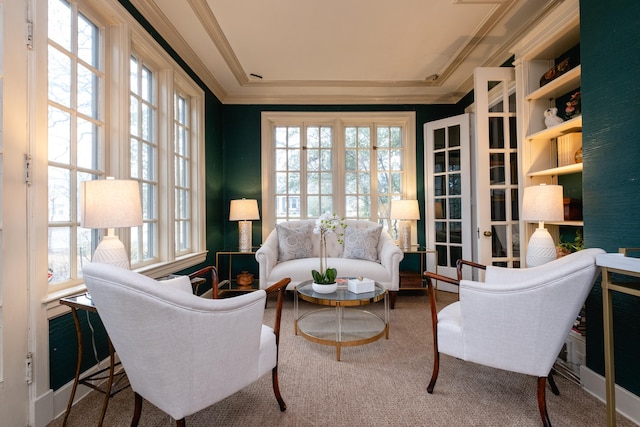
(487, 233)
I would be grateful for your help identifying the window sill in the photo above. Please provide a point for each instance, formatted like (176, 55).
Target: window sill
(55, 309)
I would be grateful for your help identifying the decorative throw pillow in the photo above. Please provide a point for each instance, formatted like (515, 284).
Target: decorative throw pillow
(294, 243)
(361, 244)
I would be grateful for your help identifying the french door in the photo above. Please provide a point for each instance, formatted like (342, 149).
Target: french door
(496, 168)
(448, 192)
(14, 294)
(471, 179)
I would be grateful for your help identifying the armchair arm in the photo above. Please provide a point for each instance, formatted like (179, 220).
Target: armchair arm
(279, 287)
(267, 257)
(214, 278)
(390, 256)
(461, 262)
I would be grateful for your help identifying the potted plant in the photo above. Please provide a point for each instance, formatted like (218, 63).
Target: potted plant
(324, 280)
(565, 248)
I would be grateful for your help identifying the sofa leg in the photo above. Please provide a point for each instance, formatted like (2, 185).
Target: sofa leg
(392, 299)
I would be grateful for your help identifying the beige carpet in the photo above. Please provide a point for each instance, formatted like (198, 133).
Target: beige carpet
(382, 384)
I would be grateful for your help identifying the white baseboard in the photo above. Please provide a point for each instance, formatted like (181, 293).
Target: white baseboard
(627, 403)
(43, 409)
(52, 404)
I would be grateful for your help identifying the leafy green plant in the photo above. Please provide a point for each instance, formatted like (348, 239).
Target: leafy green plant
(576, 245)
(325, 224)
(327, 278)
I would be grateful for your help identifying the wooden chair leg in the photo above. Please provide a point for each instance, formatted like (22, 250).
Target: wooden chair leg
(276, 389)
(542, 403)
(434, 374)
(181, 423)
(137, 409)
(392, 299)
(552, 383)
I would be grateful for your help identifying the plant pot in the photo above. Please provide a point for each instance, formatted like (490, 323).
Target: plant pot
(324, 289)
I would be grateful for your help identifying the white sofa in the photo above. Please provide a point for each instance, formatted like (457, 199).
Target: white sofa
(292, 250)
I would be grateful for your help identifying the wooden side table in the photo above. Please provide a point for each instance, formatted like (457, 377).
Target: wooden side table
(84, 302)
(628, 266)
(415, 280)
(230, 284)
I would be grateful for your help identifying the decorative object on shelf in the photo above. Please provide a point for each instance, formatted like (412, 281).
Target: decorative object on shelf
(573, 106)
(110, 203)
(567, 146)
(404, 211)
(325, 224)
(551, 118)
(244, 279)
(575, 246)
(578, 156)
(557, 70)
(542, 203)
(572, 209)
(244, 211)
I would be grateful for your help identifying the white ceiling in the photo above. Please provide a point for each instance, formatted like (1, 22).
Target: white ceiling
(341, 51)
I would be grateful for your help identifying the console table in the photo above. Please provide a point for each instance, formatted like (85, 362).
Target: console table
(623, 265)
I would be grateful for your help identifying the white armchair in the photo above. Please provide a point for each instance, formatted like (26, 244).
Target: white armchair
(182, 352)
(517, 319)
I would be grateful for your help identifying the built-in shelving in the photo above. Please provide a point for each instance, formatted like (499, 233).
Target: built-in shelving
(572, 125)
(558, 87)
(562, 170)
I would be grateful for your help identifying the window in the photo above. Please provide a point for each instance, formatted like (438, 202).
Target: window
(76, 133)
(143, 147)
(352, 164)
(158, 143)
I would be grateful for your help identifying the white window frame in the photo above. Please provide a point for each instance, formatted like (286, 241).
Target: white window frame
(123, 35)
(339, 121)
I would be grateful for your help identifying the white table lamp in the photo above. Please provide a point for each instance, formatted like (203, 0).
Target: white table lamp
(110, 203)
(404, 211)
(542, 203)
(244, 211)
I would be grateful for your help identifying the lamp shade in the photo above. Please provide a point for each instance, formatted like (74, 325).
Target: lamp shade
(110, 203)
(244, 210)
(542, 203)
(405, 209)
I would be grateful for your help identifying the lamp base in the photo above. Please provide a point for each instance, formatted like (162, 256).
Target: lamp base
(541, 248)
(244, 236)
(111, 251)
(404, 235)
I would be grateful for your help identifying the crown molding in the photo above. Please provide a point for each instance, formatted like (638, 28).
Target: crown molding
(170, 34)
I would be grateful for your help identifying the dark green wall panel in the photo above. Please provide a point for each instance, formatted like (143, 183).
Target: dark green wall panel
(610, 51)
(63, 346)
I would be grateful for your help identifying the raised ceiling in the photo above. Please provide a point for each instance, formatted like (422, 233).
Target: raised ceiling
(341, 51)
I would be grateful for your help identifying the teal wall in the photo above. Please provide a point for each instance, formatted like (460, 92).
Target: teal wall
(610, 51)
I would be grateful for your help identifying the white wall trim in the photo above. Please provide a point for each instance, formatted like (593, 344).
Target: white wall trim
(627, 403)
(53, 404)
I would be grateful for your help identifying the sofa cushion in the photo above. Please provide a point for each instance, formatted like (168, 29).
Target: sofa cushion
(299, 270)
(294, 243)
(361, 244)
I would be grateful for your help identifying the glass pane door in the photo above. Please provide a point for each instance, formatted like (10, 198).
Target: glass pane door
(448, 198)
(496, 168)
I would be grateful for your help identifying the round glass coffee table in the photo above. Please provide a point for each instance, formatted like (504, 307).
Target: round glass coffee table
(345, 325)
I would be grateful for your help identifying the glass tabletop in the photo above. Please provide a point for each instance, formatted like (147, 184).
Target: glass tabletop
(342, 296)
